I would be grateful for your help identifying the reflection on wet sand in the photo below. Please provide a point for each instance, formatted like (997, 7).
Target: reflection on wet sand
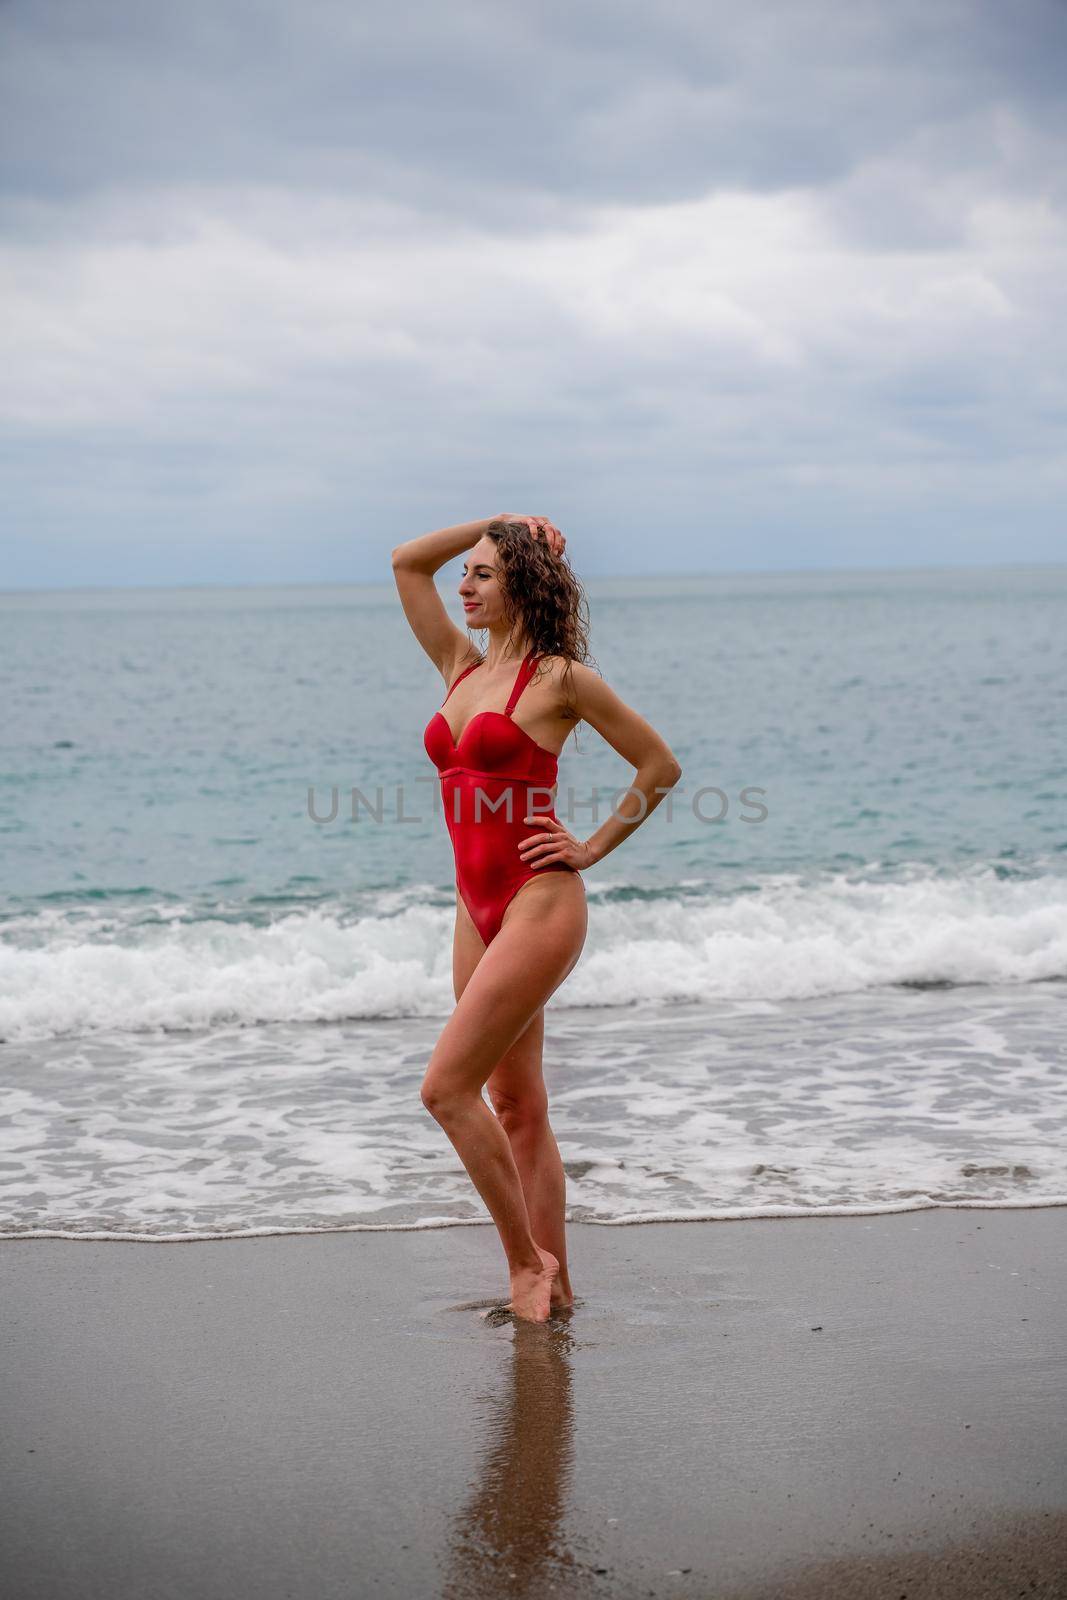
(509, 1537)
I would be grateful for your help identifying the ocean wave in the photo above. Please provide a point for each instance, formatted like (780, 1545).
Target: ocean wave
(66, 972)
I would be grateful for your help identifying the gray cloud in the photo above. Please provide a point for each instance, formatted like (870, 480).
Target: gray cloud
(603, 101)
(288, 282)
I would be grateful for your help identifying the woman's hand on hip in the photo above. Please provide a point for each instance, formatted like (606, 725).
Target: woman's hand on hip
(554, 843)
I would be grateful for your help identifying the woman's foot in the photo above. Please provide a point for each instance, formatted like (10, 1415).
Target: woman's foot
(531, 1289)
(562, 1296)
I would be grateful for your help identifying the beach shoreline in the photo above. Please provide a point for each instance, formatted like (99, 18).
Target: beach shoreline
(864, 1406)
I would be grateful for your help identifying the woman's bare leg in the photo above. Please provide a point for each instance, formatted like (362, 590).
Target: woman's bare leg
(541, 939)
(516, 1088)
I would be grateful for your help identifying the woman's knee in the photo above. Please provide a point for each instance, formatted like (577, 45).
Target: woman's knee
(442, 1098)
(520, 1110)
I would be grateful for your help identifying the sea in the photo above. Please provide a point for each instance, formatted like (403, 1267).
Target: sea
(826, 976)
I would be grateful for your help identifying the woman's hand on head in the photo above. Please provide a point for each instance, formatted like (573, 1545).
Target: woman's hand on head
(541, 528)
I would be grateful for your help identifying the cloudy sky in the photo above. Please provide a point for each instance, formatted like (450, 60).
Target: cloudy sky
(715, 287)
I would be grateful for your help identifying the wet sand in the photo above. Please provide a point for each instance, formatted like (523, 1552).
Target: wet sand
(798, 1409)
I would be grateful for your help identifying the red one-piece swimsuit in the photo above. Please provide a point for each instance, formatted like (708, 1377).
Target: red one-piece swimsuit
(492, 777)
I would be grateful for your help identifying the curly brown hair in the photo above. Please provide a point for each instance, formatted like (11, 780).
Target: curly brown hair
(542, 595)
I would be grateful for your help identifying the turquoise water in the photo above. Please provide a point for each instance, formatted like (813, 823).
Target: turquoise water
(885, 752)
(164, 742)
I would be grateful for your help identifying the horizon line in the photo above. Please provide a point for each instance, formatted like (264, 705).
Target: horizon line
(371, 583)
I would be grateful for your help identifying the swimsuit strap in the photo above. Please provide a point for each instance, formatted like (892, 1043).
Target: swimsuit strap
(463, 674)
(525, 673)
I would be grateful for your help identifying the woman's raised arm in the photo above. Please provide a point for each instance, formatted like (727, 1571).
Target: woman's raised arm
(414, 564)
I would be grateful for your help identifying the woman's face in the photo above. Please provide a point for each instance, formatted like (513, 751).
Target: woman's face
(483, 602)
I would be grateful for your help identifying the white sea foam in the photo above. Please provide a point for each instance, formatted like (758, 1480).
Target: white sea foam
(837, 1106)
(69, 974)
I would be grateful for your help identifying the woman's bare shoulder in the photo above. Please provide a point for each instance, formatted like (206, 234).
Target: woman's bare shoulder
(577, 671)
(470, 656)
(568, 677)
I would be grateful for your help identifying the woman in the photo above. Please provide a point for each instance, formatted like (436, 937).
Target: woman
(520, 899)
